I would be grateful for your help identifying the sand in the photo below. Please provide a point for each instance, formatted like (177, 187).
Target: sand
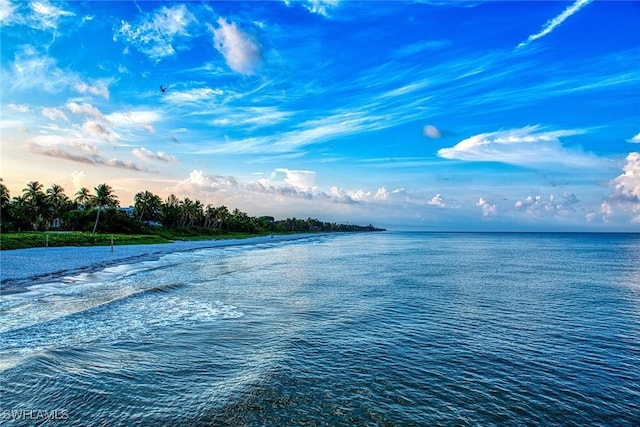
(21, 267)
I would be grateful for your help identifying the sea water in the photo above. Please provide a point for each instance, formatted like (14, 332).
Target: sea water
(355, 329)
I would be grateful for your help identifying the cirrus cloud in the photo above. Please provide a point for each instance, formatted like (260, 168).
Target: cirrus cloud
(319, 7)
(156, 34)
(555, 22)
(525, 147)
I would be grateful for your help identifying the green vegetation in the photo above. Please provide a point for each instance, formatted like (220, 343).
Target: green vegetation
(49, 217)
(31, 239)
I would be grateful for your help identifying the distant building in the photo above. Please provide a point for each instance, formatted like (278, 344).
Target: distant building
(128, 211)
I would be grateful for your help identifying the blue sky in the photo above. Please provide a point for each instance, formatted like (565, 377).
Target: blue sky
(431, 115)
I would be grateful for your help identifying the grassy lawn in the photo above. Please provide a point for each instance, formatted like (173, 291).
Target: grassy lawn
(41, 239)
(34, 239)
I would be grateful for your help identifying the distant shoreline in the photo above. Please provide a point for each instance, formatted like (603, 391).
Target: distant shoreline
(20, 268)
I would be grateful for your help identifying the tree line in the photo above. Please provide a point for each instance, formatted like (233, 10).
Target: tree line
(41, 209)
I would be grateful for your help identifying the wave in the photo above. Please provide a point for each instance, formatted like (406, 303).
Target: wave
(120, 303)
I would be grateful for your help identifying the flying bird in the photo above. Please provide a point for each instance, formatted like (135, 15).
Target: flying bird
(163, 89)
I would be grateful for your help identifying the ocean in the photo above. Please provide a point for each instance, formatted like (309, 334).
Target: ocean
(366, 329)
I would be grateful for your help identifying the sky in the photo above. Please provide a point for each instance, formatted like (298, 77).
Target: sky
(422, 115)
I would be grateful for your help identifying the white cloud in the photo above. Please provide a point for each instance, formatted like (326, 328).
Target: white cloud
(301, 185)
(606, 210)
(95, 128)
(241, 52)
(538, 206)
(86, 158)
(86, 110)
(284, 194)
(199, 178)
(432, 132)
(19, 108)
(146, 154)
(252, 116)
(300, 179)
(383, 194)
(437, 201)
(143, 153)
(164, 157)
(81, 146)
(124, 164)
(420, 47)
(98, 89)
(6, 12)
(623, 203)
(31, 70)
(320, 7)
(54, 114)
(193, 95)
(138, 119)
(98, 130)
(156, 34)
(487, 208)
(199, 181)
(525, 146)
(552, 24)
(78, 179)
(635, 139)
(627, 184)
(45, 15)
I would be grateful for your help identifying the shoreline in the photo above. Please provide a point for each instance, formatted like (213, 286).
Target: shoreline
(20, 268)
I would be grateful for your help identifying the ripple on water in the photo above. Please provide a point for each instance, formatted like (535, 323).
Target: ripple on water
(389, 329)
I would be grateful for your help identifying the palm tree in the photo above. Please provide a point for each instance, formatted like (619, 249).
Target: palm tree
(57, 200)
(209, 216)
(104, 197)
(186, 206)
(36, 204)
(222, 216)
(19, 211)
(33, 190)
(196, 213)
(170, 212)
(147, 205)
(240, 221)
(5, 199)
(83, 197)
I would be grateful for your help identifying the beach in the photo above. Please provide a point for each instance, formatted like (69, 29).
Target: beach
(22, 267)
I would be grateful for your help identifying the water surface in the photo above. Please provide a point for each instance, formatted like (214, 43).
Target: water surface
(358, 329)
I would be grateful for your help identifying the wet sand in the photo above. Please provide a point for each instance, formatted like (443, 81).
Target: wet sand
(22, 267)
